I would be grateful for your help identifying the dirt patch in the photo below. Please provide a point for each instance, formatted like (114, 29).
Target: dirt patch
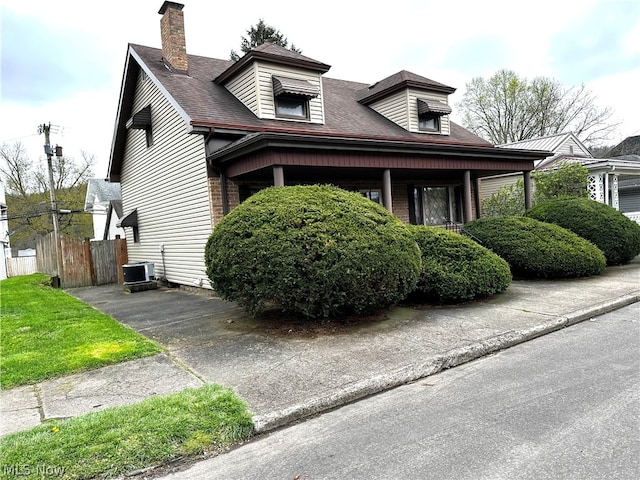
(280, 324)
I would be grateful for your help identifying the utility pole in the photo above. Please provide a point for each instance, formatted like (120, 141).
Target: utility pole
(46, 129)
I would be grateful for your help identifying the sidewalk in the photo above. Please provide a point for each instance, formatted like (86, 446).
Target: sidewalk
(291, 372)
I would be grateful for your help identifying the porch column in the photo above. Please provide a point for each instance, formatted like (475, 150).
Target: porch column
(278, 176)
(467, 196)
(527, 190)
(386, 190)
(606, 189)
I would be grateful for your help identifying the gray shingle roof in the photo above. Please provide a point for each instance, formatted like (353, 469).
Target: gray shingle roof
(209, 104)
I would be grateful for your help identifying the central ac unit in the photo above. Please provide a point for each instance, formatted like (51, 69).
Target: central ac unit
(138, 272)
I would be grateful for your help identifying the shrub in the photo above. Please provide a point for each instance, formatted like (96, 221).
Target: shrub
(506, 202)
(616, 235)
(455, 268)
(569, 179)
(537, 249)
(316, 250)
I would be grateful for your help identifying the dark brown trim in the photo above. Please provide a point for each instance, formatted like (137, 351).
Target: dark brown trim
(268, 158)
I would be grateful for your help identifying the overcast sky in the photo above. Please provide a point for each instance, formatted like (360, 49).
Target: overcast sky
(62, 61)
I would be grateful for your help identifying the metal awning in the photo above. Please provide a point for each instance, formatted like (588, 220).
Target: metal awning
(433, 106)
(140, 120)
(294, 86)
(129, 220)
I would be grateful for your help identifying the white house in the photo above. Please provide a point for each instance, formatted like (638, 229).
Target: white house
(614, 181)
(104, 202)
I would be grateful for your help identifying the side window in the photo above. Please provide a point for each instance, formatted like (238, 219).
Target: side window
(141, 120)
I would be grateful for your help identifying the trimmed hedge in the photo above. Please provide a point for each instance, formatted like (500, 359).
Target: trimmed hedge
(455, 268)
(616, 235)
(538, 249)
(318, 251)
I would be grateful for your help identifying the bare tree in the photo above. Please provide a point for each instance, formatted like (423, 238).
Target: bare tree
(507, 108)
(16, 168)
(28, 206)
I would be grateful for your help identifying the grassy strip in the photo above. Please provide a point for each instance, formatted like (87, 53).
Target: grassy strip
(118, 440)
(48, 333)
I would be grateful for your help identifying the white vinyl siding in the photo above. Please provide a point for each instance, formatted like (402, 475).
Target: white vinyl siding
(413, 96)
(254, 88)
(402, 109)
(395, 107)
(571, 147)
(490, 185)
(167, 184)
(265, 72)
(244, 88)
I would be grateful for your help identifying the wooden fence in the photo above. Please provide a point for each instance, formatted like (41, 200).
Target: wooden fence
(17, 266)
(84, 262)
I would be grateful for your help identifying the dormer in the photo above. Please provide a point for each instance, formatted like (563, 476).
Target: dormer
(277, 84)
(415, 103)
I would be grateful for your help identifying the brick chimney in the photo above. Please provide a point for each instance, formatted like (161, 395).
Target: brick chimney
(174, 47)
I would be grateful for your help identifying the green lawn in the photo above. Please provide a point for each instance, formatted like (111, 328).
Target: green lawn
(45, 333)
(118, 440)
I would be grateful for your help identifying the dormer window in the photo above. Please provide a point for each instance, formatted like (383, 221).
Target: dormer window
(429, 113)
(292, 106)
(292, 96)
(429, 122)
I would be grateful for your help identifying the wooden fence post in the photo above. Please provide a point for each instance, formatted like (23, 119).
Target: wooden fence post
(89, 259)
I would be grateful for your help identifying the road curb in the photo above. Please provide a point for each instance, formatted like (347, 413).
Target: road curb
(411, 373)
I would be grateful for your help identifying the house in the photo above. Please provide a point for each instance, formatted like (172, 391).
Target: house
(195, 136)
(614, 181)
(103, 201)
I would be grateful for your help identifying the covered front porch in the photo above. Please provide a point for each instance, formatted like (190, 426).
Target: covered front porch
(420, 184)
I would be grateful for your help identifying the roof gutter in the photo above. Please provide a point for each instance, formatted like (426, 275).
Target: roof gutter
(264, 140)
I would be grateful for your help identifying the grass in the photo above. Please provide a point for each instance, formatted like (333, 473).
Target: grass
(118, 440)
(45, 333)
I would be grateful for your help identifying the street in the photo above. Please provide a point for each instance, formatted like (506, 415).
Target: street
(563, 406)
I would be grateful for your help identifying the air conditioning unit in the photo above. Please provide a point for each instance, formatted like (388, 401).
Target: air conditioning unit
(138, 272)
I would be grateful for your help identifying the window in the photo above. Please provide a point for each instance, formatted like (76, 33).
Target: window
(142, 121)
(436, 205)
(291, 96)
(429, 113)
(375, 195)
(429, 122)
(292, 106)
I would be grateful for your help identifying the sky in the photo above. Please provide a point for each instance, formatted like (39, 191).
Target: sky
(62, 61)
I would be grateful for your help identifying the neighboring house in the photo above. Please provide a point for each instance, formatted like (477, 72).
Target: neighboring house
(104, 202)
(629, 146)
(195, 136)
(614, 181)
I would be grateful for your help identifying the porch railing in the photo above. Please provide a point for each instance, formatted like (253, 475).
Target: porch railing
(635, 216)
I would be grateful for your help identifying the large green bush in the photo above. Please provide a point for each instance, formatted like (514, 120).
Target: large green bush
(538, 249)
(616, 235)
(318, 251)
(455, 268)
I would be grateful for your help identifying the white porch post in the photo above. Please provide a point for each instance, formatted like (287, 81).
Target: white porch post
(278, 176)
(386, 190)
(606, 189)
(615, 199)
